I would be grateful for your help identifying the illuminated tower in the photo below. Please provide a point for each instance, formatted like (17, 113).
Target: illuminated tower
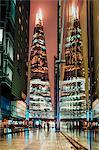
(40, 100)
(39, 68)
(73, 52)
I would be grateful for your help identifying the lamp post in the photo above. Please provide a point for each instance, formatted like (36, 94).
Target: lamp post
(57, 107)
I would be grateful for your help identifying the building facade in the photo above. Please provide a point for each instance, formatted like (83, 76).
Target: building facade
(40, 97)
(14, 22)
(72, 74)
(78, 47)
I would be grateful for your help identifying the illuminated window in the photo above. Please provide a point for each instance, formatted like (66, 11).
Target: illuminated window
(21, 28)
(19, 21)
(9, 73)
(10, 49)
(18, 57)
(20, 9)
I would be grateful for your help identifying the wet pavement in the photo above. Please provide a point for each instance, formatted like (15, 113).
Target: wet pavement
(37, 139)
(90, 138)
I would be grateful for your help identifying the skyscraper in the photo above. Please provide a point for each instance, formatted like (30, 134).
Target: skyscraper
(72, 95)
(14, 19)
(40, 99)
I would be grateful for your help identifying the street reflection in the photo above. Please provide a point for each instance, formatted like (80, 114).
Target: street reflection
(26, 136)
(9, 138)
(40, 139)
(88, 138)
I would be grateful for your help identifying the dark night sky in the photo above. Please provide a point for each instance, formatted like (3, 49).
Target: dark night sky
(49, 11)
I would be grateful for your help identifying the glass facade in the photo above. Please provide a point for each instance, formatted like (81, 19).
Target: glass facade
(40, 96)
(72, 71)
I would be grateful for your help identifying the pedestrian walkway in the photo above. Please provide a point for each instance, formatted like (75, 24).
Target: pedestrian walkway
(35, 140)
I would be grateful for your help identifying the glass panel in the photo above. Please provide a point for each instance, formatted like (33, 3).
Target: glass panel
(1, 35)
(10, 49)
(13, 2)
(9, 73)
(0, 59)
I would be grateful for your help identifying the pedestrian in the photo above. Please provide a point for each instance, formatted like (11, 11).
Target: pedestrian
(47, 126)
(44, 126)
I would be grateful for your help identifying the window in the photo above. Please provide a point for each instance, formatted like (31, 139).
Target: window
(26, 21)
(18, 45)
(21, 39)
(0, 59)
(19, 32)
(21, 28)
(12, 7)
(18, 57)
(9, 73)
(19, 21)
(20, 9)
(4, 66)
(1, 36)
(10, 49)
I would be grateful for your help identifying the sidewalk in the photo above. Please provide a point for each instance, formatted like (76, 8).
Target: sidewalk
(37, 139)
(50, 141)
(4, 131)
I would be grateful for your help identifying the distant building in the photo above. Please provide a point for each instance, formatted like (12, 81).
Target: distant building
(40, 96)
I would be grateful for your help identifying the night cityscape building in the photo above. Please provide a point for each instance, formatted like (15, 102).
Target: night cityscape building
(14, 20)
(77, 48)
(36, 113)
(72, 97)
(40, 96)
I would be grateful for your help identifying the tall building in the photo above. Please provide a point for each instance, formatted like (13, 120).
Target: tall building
(93, 19)
(7, 23)
(21, 49)
(40, 98)
(14, 19)
(19, 84)
(72, 72)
